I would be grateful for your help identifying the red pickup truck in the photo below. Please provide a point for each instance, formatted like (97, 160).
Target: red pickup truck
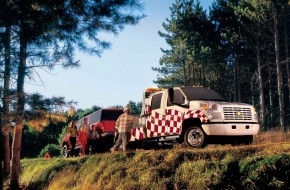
(104, 120)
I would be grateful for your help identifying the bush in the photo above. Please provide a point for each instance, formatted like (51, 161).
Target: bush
(53, 150)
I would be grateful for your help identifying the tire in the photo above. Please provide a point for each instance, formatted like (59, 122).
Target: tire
(90, 150)
(65, 151)
(243, 140)
(195, 137)
(247, 140)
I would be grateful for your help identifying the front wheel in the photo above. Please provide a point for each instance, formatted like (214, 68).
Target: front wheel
(243, 140)
(195, 137)
(65, 152)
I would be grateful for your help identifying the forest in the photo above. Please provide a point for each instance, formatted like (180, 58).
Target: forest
(238, 48)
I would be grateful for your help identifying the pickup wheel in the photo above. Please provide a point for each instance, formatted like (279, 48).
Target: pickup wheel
(243, 140)
(248, 140)
(195, 137)
(65, 152)
(90, 150)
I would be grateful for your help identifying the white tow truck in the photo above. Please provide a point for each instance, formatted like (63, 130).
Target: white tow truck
(195, 115)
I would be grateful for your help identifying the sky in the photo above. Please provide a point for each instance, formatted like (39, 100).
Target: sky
(122, 73)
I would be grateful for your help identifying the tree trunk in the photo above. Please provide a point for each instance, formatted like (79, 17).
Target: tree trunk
(6, 148)
(279, 71)
(193, 74)
(253, 92)
(237, 96)
(238, 81)
(261, 86)
(287, 63)
(271, 97)
(200, 75)
(16, 146)
(184, 68)
(203, 76)
(1, 160)
(188, 74)
(6, 103)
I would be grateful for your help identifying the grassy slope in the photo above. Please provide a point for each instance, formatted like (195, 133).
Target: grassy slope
(263, 165)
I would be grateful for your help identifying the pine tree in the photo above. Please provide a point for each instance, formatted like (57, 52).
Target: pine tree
(49, 32)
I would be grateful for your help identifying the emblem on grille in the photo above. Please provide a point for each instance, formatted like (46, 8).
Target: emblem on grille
(239, 113)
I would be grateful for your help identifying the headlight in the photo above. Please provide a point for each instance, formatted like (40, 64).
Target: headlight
(255, 116)
(215, 107)
(203, 106)
(210, 114)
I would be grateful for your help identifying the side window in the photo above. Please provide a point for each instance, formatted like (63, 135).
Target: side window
(156, 101)
(95, 117)
(178, 98)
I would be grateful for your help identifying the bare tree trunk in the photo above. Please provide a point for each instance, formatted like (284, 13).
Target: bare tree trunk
(7, 151)
(193, 74)
(203, 76)
(253, 92)
(261, 86)
(287, 62)
(200, 75)
(271, 103)
(16, 146)
(183, 65)
(237, 95)
(5, 127)
(6, 103)
(239, 81)
(1, 160)
(279, 71)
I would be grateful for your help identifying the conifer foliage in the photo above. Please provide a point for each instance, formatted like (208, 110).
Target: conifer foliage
(47, 33)
(238, 48)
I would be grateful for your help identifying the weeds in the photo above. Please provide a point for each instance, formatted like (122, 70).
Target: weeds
(260, 166)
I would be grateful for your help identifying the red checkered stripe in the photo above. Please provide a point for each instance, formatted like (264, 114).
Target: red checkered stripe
(162, 125)
(174, 121)
(156, 125)
(137, 134)
(196, 114)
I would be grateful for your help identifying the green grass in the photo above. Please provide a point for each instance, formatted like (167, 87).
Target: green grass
(260, 166)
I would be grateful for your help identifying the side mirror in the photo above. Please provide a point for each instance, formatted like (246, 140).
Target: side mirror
(171, 95)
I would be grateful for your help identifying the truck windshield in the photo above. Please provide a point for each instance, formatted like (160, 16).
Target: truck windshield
(196, 93)
(111, 114)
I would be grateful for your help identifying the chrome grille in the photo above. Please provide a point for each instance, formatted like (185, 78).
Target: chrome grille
(237, 113)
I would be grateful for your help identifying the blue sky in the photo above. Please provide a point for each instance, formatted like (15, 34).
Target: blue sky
(122, 73)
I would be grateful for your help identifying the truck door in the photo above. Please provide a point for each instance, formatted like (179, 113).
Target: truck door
(174, 113)
(156, 122)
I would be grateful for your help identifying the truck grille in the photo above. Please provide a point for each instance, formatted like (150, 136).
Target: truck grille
(237, 113)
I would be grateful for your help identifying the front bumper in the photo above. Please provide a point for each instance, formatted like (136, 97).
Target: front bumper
(231, 129)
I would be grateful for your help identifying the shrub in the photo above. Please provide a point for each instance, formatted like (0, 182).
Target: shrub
(62, 134)
(53, 150)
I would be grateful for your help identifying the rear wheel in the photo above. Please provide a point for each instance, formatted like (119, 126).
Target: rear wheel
(244, 140)
(90, 150)
(195, 137)
(248, 140)
(65, 151)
